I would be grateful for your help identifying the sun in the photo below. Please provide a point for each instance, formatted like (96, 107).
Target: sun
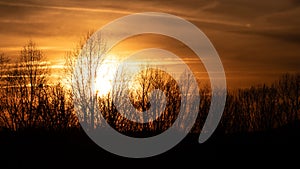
(105, 75)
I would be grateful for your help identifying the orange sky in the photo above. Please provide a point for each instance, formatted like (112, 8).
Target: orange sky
(257, 41)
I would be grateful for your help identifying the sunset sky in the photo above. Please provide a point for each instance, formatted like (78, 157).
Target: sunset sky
(256, 40)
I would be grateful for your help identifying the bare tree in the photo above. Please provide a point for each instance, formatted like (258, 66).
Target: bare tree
(56, 108)
(3, 72)
(81, 69)
(24, 83)
(147, 80)
(28, 101)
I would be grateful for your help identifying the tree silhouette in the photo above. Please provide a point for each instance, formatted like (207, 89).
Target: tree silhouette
(23, 86)
(27, 101)
(81, 70)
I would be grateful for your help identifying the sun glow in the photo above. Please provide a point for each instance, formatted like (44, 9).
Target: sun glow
(105, 75)
(107, 72)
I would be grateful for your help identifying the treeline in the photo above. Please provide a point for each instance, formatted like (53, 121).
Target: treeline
(28, 100)
(139, 99)
(257, 108)
(263, 107)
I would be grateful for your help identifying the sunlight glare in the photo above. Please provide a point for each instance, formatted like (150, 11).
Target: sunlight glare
(105, 76)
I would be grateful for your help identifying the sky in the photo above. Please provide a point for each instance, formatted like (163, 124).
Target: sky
(257, 41)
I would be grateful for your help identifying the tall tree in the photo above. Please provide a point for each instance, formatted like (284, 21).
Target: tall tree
(81, 70)
(25, 80)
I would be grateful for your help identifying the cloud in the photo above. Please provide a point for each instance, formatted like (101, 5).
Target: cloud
(258, 37)
(76, 9)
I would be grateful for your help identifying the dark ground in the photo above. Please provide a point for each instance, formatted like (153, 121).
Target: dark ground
(40, 149)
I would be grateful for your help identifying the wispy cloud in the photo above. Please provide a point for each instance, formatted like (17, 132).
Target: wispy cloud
(79, 9)
(125, 12)
(250, 36)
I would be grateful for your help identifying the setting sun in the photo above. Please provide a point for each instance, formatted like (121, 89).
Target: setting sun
(105, 76)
